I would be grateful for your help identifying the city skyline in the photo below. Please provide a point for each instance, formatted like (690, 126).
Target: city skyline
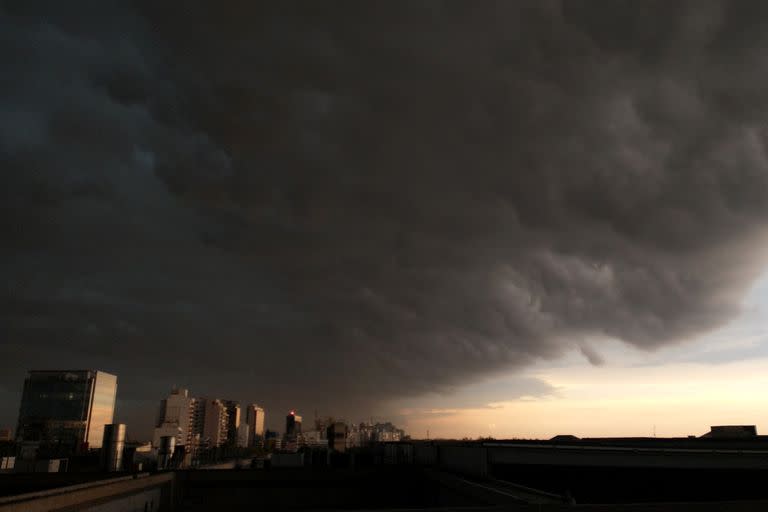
(514, 219)
(527, 412)
(70, 412)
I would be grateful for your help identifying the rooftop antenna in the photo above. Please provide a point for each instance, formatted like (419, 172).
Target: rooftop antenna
(654, 430)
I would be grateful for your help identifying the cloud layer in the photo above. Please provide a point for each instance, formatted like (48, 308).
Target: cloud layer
(332, 204)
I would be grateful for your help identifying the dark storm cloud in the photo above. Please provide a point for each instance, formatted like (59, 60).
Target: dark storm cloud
(294, 201)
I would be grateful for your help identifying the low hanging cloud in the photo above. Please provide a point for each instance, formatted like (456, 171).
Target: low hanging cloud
(333, 204)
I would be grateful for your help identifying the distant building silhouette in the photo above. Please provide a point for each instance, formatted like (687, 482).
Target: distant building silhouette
(562, 438)
(313, 439)
(293, 437)
(731, 431)
(272, 440)
(365, 434)
(292, 425)
(337, 436)
(68, 408)
(387, 432)
(322, 423)
(361, 434)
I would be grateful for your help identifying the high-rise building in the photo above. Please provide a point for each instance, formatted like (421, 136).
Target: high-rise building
(233, 421)
(254, 419)
(180, 416)
(6, 434)
(292, 425)
(215, 423)
(195, 422)
(214, 431)
(67, 407)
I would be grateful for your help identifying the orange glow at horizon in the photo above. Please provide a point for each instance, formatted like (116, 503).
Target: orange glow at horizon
(668, 401)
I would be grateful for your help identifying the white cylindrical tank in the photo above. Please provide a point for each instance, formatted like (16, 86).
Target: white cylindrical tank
(165, 451)
(112, 447)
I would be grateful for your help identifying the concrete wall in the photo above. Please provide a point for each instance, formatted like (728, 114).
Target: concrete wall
(124, 494)
(625, 457)
(476, 459)
(147, 501)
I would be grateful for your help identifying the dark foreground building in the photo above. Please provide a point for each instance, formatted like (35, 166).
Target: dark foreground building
(637, 475)
(389, 488)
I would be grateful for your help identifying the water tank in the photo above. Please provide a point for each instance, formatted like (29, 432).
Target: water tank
(112, 447)
(165, 451)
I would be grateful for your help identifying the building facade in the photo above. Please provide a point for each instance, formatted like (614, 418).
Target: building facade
(215, 423)
(387, 432)
(197, 422)
(180, 415)
(233, 421)
(313, 439)
(68, 408)
(292, 425)
(272, 440)
(293, 436)
(254, 420)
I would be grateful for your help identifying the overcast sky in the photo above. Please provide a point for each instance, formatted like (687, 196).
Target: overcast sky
(358, 206)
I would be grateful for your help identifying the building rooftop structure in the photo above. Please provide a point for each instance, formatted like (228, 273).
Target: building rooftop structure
(451, 482)
(731, 432)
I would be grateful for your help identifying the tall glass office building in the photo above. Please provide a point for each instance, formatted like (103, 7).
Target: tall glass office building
(67, 408)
